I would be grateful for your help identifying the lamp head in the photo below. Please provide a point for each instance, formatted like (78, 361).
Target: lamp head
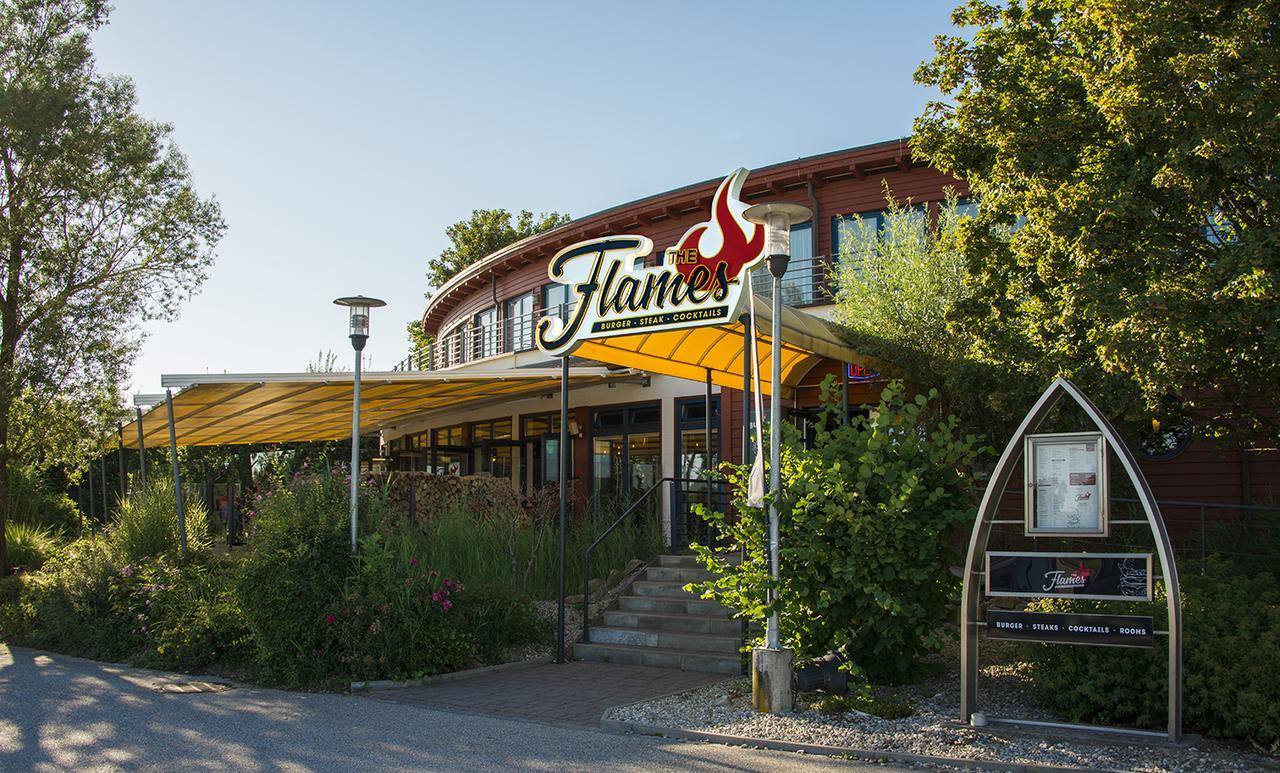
(777, 219)
(359, 307)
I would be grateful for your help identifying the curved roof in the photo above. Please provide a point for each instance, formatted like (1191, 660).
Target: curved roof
(853, 163)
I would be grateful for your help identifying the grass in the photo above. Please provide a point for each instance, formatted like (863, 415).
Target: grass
(146, 524)
(888, 707)
(29, 545)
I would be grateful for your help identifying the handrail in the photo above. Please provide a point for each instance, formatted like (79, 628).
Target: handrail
(586, 554)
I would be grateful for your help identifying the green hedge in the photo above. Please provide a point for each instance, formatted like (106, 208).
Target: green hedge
(1231, 661)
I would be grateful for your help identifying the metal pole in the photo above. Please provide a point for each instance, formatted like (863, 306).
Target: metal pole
(355, 453)
(102, 468)
(93, 515)
(124, 478)
(844, 392)
(773, 639)
(177, 477)
(142, 452)
(748, 362)
(710, 463)
(564, 506)
(231, 515)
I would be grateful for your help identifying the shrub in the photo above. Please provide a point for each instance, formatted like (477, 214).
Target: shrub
(295, 567)
(33, 500)
(78, 603)
(190, 615)
(29, 546)
(1231, 648)
(146, 524)
(865, 546)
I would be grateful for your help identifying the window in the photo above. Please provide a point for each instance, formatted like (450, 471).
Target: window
(520, 323)
(966, 208)
(540, 451)
(448, 452)
(626, 450)
(486, 340)
(557, 299)
(491, 448)
(853, 236)
(803, 272)
(452, 346)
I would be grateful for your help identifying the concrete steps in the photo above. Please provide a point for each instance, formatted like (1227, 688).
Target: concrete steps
(661, 624)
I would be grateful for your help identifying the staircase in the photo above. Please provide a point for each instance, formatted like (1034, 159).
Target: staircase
(661, 624)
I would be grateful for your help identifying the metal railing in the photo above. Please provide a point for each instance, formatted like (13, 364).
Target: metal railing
(708, 493)
(806, 283)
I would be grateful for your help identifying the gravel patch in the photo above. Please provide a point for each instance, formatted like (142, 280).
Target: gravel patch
(547, 611)
(933, 730)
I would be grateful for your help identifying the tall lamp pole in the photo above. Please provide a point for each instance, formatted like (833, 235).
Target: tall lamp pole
(359, 307)
(771, 665)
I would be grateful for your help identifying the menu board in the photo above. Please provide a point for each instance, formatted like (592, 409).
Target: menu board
(1066, 482)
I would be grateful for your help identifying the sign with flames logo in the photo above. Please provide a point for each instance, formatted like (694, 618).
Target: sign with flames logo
(699, 281)
(1102, 576)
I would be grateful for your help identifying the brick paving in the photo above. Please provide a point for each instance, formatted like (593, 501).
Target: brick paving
(574, 693)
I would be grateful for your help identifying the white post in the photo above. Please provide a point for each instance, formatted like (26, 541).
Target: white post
(355, 453)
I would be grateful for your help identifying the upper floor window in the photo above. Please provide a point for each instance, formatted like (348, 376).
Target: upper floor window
(804, 272)
(452, 347)
(486, 342)
(853, 236)
(556, 299)
(520, 323)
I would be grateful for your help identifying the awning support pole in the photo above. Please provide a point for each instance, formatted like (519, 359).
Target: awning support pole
(710, 458)
(124, 478)
(93, 515)
(564, 506)
(102, 468)
(142, 452)
(177, 476)
(748, 352)
(844, 392)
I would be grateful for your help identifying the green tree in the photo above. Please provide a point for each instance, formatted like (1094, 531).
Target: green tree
(100, 226)
(482, 234)
(1140, 141)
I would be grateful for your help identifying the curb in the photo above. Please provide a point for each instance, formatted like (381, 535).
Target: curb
(618, 726)
(379, 685)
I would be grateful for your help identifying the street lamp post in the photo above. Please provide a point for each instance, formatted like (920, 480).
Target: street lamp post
(771, 665)
(359, 307)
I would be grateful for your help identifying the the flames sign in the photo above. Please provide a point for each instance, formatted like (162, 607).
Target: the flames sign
(699, 282)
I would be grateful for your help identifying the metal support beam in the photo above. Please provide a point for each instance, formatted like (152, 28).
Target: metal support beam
(102, 470)
(564, 506)
(844, 392)
(177, 476)
(748, 362)
(93, 514)
(710, 455)
(142, 453)
(124, 477)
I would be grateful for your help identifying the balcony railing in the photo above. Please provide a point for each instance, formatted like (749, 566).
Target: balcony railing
(805, 284)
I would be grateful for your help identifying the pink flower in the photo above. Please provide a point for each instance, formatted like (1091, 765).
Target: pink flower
(437, 596)
(448, 583)
(413, 561)
(446, 605)
(127, 570)
(329, 619)
(375, 626)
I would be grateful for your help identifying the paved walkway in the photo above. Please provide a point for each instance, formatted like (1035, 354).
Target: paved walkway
(574, 693)
(61, 713)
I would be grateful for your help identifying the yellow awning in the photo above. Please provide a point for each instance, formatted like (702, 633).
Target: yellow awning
(229, 409)
(690, 353)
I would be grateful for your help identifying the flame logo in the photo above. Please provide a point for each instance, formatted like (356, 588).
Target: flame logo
(727, 238)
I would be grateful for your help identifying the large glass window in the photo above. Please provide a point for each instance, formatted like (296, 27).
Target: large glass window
(557, 299)
(491, 448)
(691, 424)
(448, 451)
(854, 236)
(803, 272)
(626, 450)
(519, 323)
(487, 333)
(540, 451)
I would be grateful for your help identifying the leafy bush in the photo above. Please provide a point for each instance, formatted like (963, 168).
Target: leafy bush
(1231, 648)
(865, 537)
(33, 500)
(190, 616)
(146, 524)
(78, 603)
(297, 562)
(888, 707)
(29, 546)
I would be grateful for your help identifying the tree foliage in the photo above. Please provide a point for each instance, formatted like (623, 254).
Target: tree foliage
(865, 535)
(100, 225)
(1140, 141)
(486, 232)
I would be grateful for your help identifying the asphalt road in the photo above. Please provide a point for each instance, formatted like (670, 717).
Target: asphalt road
(59, 713)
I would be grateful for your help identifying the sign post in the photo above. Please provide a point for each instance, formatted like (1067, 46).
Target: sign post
(1067, 491)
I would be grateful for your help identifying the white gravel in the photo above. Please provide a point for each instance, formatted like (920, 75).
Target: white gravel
(725, 708)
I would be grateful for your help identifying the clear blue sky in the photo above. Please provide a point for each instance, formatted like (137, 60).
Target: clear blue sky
(342, 138)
